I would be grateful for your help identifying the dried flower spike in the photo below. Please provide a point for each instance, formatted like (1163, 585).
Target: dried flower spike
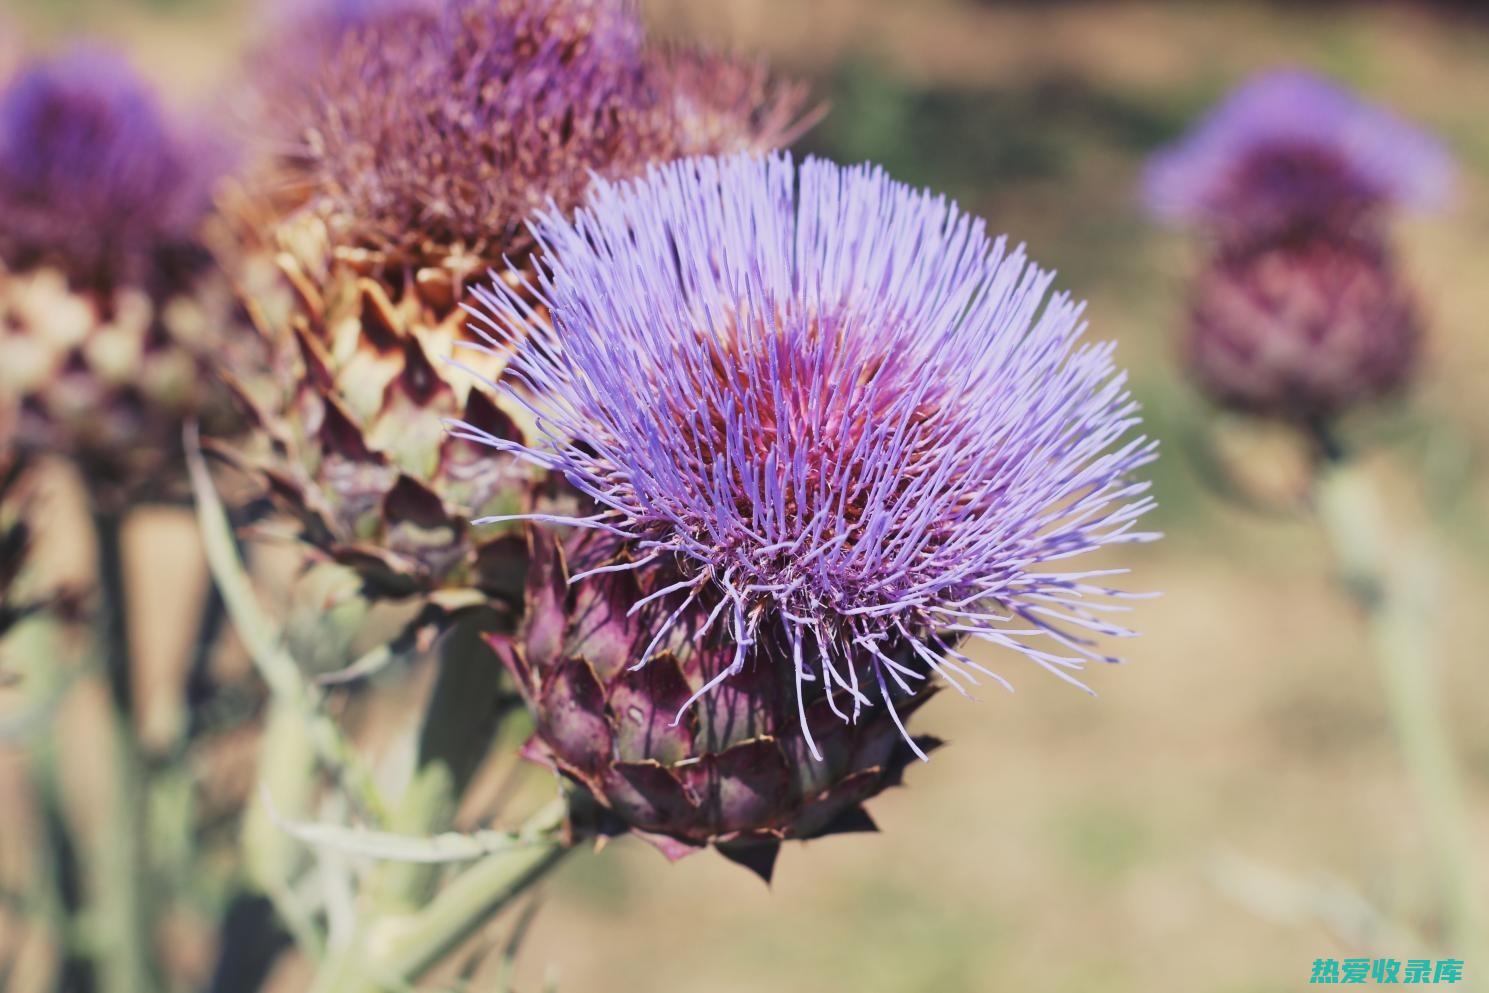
(850, 422)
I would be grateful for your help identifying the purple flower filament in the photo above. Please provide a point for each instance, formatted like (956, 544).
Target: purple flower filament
(862, 427)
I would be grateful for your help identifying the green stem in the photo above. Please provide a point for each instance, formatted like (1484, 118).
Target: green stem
(466, 905)
(460, 723)
(113, 612)
(272, 859)
(126, 939)
(396, 951)
(263, 640)
(75, 972)
(65, 899)
(1395, 588)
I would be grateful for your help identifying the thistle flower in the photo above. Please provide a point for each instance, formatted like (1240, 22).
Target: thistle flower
(108, 303)
(852, 425)
(93, 179)
(1302, 330)
(1289, 151)
(1300, 314)
(434, 132)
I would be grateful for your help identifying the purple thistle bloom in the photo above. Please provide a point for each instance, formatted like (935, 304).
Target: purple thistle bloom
(1289, 147)
(858, 427)
(93, 177)
(1303, 330)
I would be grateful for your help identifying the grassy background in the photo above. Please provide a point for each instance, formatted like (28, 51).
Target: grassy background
(1195, 827)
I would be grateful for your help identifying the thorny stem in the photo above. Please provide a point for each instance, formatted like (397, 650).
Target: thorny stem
(1393, 585)
(126, 941)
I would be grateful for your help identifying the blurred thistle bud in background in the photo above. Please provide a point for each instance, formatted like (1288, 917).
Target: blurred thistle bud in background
(1289, 153)
(109, 303)
(1302, 329)
(1301, 312)
(829, 432)
(426, 135)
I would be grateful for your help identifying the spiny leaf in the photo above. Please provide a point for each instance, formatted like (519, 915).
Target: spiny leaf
(387, 846)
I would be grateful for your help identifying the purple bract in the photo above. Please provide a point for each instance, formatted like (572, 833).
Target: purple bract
(1302, 330)
(858, 428)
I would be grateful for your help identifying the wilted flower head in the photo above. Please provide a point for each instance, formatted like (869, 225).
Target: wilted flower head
(852, 423)
(93, 178)
(1289, 149)
(442, 126)
(431, 132)
(1301, 330)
